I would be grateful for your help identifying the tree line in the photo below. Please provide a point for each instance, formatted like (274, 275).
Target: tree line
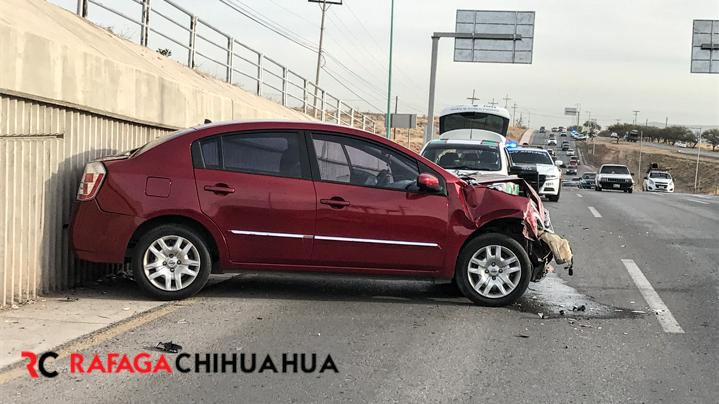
(669, 135)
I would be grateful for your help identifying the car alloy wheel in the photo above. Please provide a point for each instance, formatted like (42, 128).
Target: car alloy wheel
(171, 263)
(494, 271)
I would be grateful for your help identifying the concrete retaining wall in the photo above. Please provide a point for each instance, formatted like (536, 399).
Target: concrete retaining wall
(71, 92)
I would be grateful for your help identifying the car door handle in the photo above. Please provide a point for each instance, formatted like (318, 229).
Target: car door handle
(335, 202)
(219, 189)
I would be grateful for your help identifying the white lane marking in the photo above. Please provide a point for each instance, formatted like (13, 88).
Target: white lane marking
(595, 213)
(664, 316)
(579, 196)
(697, 201)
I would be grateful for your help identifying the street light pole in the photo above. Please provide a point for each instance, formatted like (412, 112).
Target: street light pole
(389, 80)
(699, 150)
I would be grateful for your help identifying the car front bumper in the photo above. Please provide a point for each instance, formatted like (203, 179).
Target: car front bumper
(550, 187)
(615, 185)
(660, 187)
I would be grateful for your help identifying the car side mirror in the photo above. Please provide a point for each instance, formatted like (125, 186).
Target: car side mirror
(632, 174)
(645, 178)
(515, 170)
(428, 182)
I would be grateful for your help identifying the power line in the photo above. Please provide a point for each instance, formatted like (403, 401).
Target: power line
(350, 90)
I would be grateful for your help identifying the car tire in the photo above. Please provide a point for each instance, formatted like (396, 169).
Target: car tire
(598, 189)
(630, 190)
(154, 264)
(555, 198)
(472, 276)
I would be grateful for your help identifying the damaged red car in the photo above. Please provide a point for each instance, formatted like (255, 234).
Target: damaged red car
(303, 196)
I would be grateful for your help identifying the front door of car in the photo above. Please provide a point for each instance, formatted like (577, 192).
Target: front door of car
(369, 212)
(257, 188)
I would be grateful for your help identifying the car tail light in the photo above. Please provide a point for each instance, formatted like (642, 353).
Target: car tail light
(91, 181)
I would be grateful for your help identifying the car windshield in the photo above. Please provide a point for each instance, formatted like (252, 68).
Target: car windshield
(473, 120)
(589, 176)
(530, 157)
(465, 157)
(614, 170)
(660, 175)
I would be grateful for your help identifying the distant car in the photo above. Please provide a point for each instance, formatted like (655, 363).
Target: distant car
(681, 144)
(588, 180)
(614, 135)
(572, 182)
(565, 146)
(542, 130)
(563, 134)
(614, 176)
(570, 152)
(554, 130)
(574, 158)
(658, 181)
(571, 171)
(551, 142)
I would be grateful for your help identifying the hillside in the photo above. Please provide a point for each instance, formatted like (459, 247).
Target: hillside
(682, 167)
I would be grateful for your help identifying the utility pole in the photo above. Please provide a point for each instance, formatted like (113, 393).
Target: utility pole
(394, 130)
(389, 80)
(635, 117)
(579, 113)
(324, 6)
(699, 150)
(506, 101)
(529, 119)
(514, 114)
(666, 122)
(493, 103)
(473, 98)
(521, 118)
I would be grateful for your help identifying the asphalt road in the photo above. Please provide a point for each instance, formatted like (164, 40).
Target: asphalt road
(411, 341)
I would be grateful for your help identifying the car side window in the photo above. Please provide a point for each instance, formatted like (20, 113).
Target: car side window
(280, 154)
(263, 153)
(359, 162)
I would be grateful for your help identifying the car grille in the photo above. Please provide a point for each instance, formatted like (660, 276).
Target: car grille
(535, 181)
(617, 180)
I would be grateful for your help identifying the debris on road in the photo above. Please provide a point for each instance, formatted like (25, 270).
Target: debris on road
(541, 315)
(69, 299)
(168, 347)
(580, 308)
(522, 336)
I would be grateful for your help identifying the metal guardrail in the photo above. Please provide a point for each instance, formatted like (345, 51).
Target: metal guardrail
(236, 61)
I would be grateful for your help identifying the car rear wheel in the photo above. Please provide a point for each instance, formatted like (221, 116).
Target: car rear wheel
(493, 270)
(598, 189)
(171, 262)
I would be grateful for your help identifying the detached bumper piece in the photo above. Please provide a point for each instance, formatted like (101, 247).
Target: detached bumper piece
(560, 248)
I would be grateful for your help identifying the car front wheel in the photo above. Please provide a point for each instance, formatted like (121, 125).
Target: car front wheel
(171, 262)
(493, 270)
(598, 189)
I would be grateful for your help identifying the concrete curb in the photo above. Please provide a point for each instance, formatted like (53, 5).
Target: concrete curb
(526, 137)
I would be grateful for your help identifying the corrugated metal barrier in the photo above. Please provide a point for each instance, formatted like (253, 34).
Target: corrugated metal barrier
(43, 149)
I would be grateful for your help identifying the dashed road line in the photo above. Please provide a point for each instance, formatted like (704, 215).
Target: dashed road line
(697, 201)
(595, 213)
(664, 316)
(579, 196)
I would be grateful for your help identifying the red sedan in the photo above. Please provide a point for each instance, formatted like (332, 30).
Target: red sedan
(293, 196)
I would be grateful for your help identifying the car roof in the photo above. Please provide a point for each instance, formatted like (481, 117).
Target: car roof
(613, 165)
(530, 149)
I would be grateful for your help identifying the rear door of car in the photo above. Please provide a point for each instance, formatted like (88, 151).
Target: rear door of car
(369, 213)
(257, 188)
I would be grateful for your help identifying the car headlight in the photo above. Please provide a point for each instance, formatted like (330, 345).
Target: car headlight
(552, 177)
(651, 182)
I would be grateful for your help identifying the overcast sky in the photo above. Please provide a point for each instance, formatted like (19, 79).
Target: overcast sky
(610, 56)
